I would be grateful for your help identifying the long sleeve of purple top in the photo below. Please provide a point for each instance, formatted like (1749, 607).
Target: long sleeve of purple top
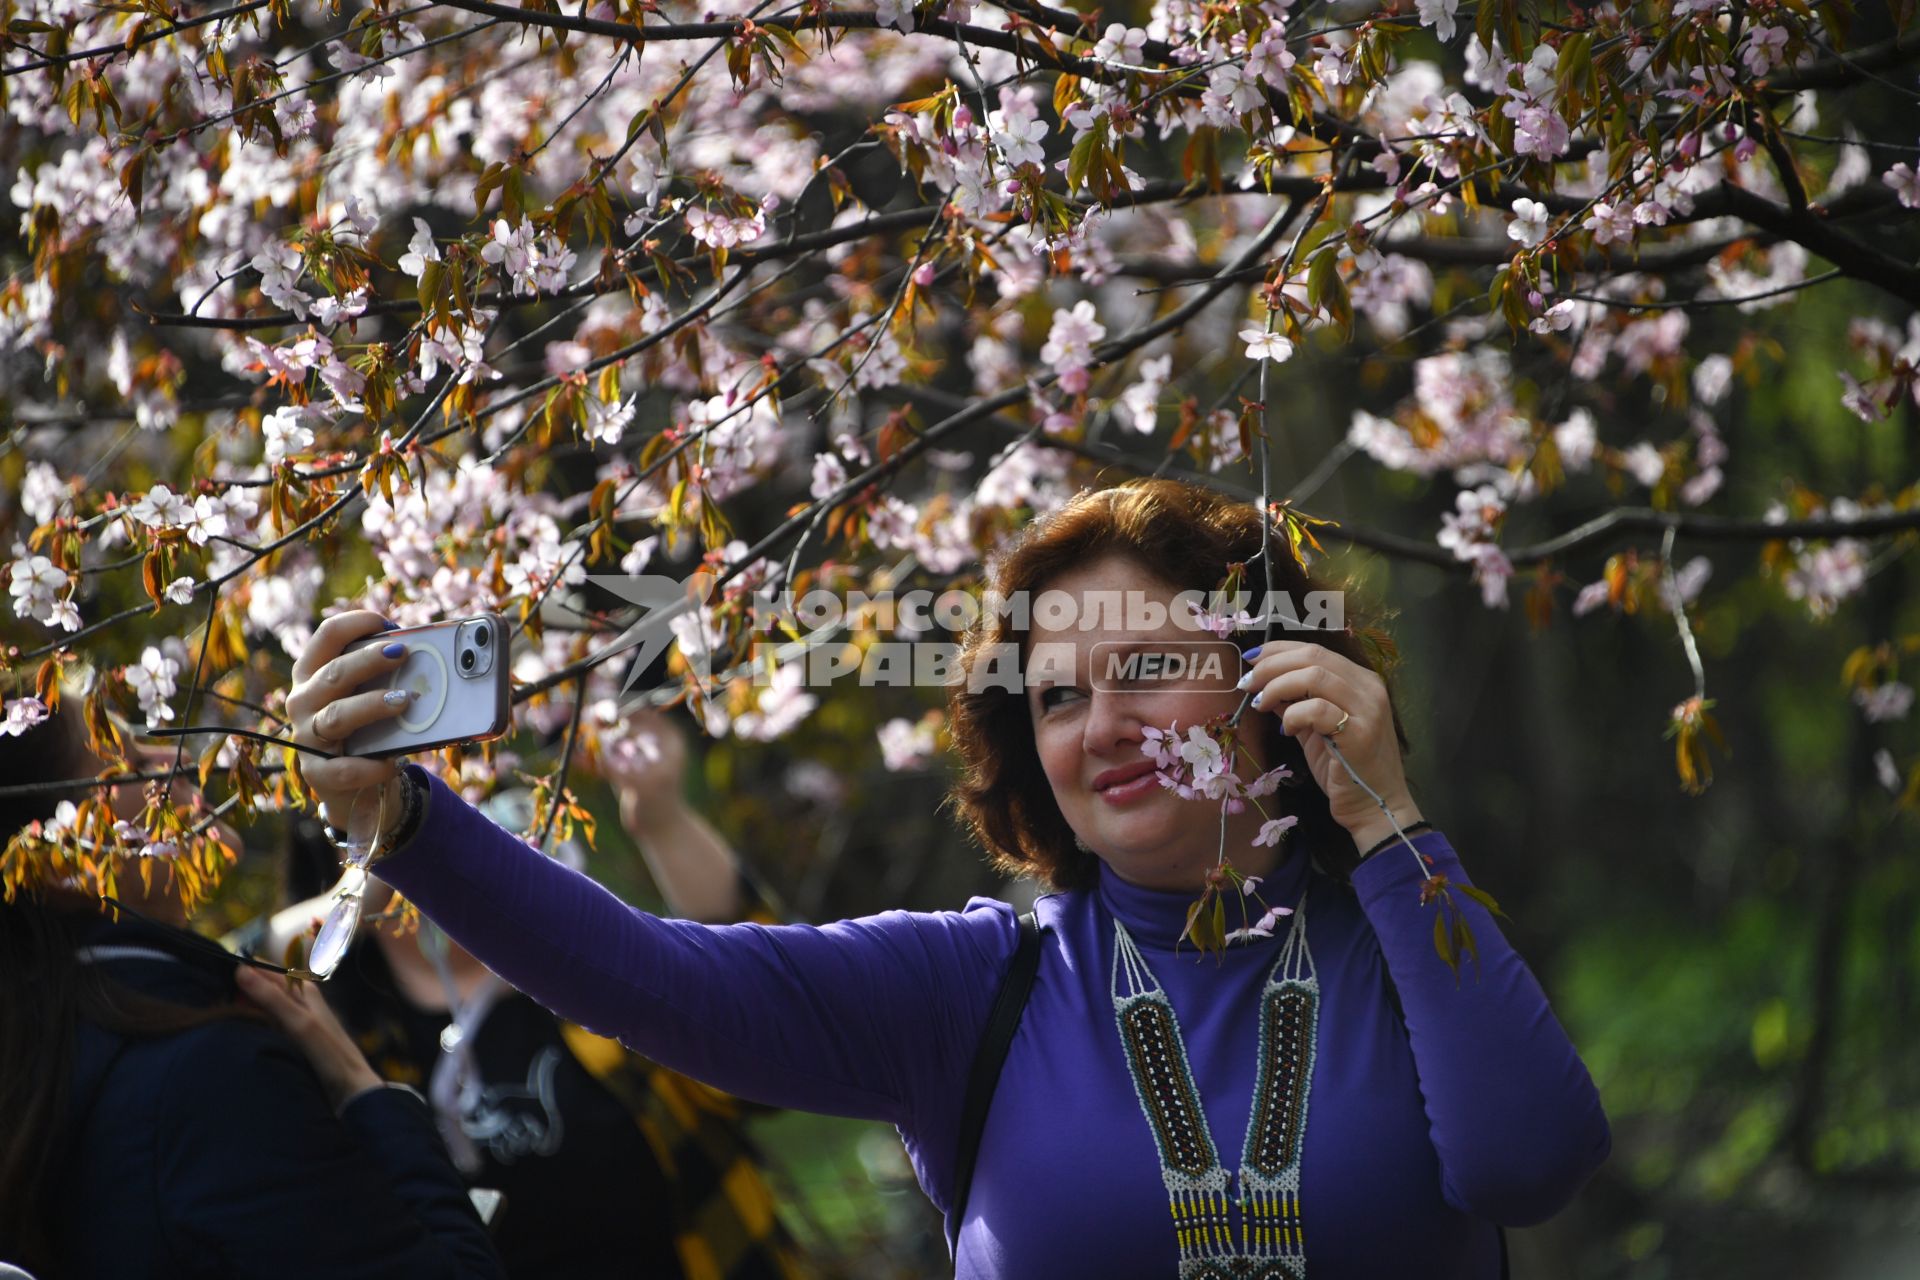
(1513, 1114)
(853, 1018)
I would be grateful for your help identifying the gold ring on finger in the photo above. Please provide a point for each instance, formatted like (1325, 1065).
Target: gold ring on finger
(1344, 717)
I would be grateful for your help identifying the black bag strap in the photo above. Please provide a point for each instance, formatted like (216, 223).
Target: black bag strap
(984, 1077)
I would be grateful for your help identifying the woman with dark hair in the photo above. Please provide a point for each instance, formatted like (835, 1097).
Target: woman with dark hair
(157, 1125)
(1394, 1119)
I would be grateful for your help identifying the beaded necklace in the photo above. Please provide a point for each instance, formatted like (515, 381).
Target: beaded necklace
(1271, 1244)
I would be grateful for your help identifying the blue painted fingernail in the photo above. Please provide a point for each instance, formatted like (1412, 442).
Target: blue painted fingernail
(395, 650)
(1251, 654)
(389, 624)
(398, 697)
(1257, 697)
(1245, 680)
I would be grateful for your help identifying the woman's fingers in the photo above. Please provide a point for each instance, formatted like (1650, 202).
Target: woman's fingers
(340, 676)
(301, 1011)
(1323, 698)
(269, 992)
(333, 635)
(1315, 715)
(326, 710)
(1299, 685)
(341, 719)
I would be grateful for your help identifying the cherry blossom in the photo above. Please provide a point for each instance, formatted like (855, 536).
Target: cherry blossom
(162, 508)
(1591, 597)
(1611, 223)
(1884, 702)
(152, 681)
(1273, 829)
(1264, 344)
(43, 495)
(420, 250)
(1069, 344)
(21, 715)
(1439, 15)
(280, 266)
(1711, 378)
(1904, 179)
(1557, 318)
(783, 703)
(286, 434)
(719, 231)
(1688, 581)
(607, 421)
(1764, 49)
(35, 587)
(1575, 439)
(1886, 771)
(1017, 133)
(1121, 43)
(907, 744)
(1529, 225)
(1221, 622)
(1824, 576)
(1142, 399)
(1646, 463)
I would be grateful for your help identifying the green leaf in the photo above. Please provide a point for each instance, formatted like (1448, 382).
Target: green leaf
(1315, 237)
(1497, 291)
(1188, 934)
(491, 177)
(1320, 276)
(1463, 943)
(1485, 19)
(1081, 158)
(1482, 897)
(1441, 942)
(1066, 92)
(787, 38)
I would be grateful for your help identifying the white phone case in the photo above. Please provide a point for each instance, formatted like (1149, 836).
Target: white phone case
(454, 705)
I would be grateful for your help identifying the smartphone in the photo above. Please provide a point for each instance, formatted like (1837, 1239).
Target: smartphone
(457, 669)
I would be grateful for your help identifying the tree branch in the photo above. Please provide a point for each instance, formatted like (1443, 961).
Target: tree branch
(1805, 227)
(1848, 69)
(126, 46)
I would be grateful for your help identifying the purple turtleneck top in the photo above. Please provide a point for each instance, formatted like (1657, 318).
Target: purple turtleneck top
(1425, 1128)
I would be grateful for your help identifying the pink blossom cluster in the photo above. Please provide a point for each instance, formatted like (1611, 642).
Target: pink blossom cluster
(1197, 766)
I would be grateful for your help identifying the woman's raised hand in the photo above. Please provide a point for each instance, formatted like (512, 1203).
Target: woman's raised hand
(299, 1009)
(326, 712)
(646, 763)
(1316, 692)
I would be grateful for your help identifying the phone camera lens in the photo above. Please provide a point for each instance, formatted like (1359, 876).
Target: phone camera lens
(466, 659)
(480, 637)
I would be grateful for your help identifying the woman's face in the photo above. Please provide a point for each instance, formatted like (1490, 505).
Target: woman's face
(1089, 709)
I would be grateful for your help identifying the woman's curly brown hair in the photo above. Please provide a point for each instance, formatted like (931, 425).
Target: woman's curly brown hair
(1187, 536)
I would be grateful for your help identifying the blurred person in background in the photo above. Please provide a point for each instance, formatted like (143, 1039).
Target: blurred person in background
(171, 1112)
(606, 1163)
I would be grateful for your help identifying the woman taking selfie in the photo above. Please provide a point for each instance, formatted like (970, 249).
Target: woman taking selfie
(1322, 1097)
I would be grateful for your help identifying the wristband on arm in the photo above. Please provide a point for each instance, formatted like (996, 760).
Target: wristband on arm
(1418, 826)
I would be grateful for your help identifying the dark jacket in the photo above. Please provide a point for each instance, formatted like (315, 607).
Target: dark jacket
(214, 1151)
